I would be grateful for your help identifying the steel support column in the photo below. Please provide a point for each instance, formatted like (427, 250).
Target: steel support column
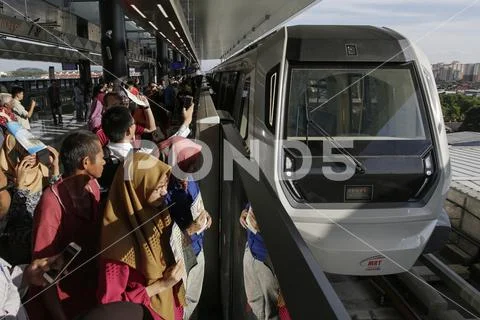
(85, 73)
(84, 64)
(114, 48)
(162, 58)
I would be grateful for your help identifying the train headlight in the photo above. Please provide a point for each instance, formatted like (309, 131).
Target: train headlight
(288, 169)
(288, 164)
(429, 169)
(428, 165)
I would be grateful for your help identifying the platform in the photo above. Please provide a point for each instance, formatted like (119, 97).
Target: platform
(52, 135)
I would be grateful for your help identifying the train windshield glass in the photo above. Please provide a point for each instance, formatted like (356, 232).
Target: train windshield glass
(358, 104)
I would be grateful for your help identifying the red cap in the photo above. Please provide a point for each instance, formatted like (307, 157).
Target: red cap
(182, 151)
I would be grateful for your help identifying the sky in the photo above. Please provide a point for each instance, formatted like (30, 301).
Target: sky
(446, 30)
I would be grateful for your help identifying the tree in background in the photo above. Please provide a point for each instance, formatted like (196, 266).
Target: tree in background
(456, 106)
(472, 120)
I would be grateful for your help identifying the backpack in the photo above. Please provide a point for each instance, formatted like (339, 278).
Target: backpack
(110, 168)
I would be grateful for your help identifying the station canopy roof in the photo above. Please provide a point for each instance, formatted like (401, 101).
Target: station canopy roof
(210, 29)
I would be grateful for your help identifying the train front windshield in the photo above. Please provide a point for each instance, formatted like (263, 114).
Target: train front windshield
(367, 105)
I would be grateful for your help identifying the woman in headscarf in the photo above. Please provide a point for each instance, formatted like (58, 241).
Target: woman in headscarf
(27, 177)
(137, 261)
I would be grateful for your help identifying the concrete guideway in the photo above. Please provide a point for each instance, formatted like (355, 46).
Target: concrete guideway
(463, 200)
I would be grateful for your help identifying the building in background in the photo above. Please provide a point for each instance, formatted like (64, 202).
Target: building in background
(457, 71)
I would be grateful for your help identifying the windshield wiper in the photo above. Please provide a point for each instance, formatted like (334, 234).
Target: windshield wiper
(359, 167)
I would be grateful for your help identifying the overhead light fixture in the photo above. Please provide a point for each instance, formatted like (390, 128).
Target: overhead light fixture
(162, 34)
(139, 12)
(154, 26)
(28, 41)
(162, 10)
(178, 35)
(171, 25)
(95, 54)
(67, 49)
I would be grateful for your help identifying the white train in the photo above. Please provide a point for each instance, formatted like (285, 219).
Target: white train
(328, 85)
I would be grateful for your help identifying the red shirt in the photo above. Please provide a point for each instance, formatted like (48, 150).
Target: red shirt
(9, 112)
(68, 212)
(134, 91)
(119, 282)
(104, 139)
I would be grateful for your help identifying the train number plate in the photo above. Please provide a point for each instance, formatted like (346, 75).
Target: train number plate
(358, 193)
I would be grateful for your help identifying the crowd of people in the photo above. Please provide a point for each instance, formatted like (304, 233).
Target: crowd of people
(109, 192)
(137, 222)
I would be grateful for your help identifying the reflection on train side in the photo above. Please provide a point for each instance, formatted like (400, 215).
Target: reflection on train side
(261, 285)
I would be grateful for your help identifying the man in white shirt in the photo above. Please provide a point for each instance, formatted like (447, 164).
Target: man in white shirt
(19, 110)
(119, 126)
(14, 282)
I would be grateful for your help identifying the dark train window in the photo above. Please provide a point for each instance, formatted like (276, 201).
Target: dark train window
(236, 111)
(271, 94)
(383, 104)
(40, 84)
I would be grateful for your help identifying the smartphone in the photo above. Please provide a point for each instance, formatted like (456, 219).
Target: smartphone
(43, 156)
(68, 255)
(187, 102)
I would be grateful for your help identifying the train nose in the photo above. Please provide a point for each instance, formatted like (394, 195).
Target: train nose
(365, 249)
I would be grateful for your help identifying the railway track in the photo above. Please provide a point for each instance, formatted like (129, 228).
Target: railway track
(437, 287)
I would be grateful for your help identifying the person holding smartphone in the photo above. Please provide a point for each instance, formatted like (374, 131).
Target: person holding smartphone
(141, 267)
(16, 279)
(15, 282)
(28, 177)
(68, 211)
